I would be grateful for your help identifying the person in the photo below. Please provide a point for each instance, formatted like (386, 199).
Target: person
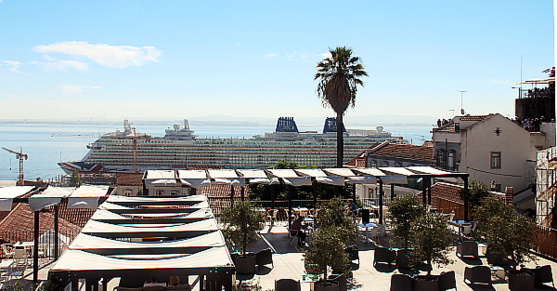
(352, 207)
(296, 229)
(439, 122)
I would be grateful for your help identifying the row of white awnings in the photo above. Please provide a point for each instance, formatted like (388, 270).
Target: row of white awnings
(117, 237)
(82, 197)
(294, 177)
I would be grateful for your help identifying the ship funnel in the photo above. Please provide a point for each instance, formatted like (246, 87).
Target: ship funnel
(286, 124)
(186, 124)
(331, 125)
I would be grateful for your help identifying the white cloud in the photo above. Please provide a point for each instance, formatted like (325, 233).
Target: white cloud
(14, 65)
(268, 56)
(73, 89)
(54, 65)
(104, 54)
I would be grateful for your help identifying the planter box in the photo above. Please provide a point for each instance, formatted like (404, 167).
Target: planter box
(245, 264)
(319, 286)
(422, 284)
(521, 281)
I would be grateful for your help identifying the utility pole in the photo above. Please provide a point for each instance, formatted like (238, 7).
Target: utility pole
(20, 156)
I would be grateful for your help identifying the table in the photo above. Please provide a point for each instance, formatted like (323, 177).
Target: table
(301, 211)
(497, 272)
(366, 229)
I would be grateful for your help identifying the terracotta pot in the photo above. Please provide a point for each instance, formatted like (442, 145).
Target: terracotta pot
(322, 286)
(245, 264)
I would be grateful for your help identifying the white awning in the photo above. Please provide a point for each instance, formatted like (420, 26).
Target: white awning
(7, 195)
(78, 260)
(398, 170)
(297, 182)
(332, 180)
(362, 180)
(159, 174)
(343, 172)
(253, 174)
(222, 174)
(87, 197)
(429, 171)
(394, 179)
(50, 196)
(311, 172)
(232, 182)
(370, 171)
(93, 227)
(192, 174)
(283, 173)
(161, 183)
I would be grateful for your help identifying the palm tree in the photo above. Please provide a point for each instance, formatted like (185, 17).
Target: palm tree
(339, 75)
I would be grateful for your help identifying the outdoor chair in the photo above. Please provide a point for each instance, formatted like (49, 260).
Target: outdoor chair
(264, 257)
(447, 280)
(21, 256)
(467, 249)
(384, 256)
(401, 282)
(543, 275)
(477, 275)
(287, 285)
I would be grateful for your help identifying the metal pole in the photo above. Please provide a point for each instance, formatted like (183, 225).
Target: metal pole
(36, 249)
(56, 232)
(380, 201)
(466, 206)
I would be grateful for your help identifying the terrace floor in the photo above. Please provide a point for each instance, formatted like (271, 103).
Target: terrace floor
(288, 263)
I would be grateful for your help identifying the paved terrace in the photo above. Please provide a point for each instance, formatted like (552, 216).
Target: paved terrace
(288, 263)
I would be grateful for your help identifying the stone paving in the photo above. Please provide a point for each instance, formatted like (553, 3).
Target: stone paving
(288, 263)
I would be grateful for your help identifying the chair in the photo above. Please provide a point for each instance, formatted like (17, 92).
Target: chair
(341, 280)
(447, 280)
(264, 257)
(467, 249)
(477, 275)
(384, 256)
(272, 216)
(20, 256)
(401, 282)
(543, 275)
(287, 285)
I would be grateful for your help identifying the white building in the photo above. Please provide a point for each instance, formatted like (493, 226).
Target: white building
(494, 150)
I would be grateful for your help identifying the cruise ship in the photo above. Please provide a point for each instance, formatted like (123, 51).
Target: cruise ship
(180, 148)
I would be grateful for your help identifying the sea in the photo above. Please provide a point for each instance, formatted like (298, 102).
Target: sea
(48, 143)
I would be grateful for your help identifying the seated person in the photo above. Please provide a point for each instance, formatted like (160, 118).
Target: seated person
(296, 229)
(352, 207)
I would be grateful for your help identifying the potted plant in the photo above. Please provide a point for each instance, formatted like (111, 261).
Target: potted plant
(431, 239)
(509, 234)
(404, 210)
(241, 222)
(333, 241)
(328, 251)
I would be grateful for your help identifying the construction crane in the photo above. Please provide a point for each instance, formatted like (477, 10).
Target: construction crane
(20, 156)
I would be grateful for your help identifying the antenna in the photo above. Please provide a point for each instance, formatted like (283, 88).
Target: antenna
(461, 107)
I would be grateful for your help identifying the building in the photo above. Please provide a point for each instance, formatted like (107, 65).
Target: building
(492, 149)
(546, 190)
(390, 154)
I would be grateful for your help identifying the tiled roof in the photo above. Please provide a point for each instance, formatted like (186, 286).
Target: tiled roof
(129, 179)
(407, 151)
(446, 191)
(19, 224)
(217, 195)
(475, 117)
(450, 127)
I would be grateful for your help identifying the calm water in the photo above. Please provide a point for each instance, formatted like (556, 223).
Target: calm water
(50, 143)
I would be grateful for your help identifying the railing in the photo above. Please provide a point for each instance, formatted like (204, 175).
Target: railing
(546, 241)
(46, 240)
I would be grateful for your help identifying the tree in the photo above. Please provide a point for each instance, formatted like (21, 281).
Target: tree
(506, 231)
(75, 179)
(336, 213)
(339, 77)
(430, 237)
(404, 210)
(241, 222)
(328, 251)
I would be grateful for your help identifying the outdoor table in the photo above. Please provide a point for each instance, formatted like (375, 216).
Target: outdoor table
(301, 211)
(366, 228)
(5, 266)
(497, 272)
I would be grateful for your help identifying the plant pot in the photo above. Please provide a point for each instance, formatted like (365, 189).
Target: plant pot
(521, 281)
(404, 260)
(245, 264)
(324, 286)
(421, 283)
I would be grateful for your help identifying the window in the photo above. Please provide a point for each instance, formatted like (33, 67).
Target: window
(451, 160)
(440, 160)
(496, 160)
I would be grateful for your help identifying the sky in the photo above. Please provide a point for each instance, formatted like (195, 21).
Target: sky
(186, 59)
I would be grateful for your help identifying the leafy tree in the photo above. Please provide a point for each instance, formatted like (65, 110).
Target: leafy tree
(404, 210)
(476, 192)
(241, 222)
(431, 239)
(506, 231)
(328, 251)
(75, 179)
(336, 213)
(339, 77)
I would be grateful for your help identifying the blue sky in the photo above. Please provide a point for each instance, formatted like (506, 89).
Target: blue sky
(182, 59)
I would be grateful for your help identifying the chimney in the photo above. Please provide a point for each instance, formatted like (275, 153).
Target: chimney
(509, 193)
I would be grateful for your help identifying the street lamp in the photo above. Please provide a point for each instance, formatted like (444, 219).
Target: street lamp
(461, 108)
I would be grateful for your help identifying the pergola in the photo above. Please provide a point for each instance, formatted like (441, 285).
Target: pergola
(137, 238)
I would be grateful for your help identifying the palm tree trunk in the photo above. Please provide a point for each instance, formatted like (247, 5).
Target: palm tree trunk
(340, 140)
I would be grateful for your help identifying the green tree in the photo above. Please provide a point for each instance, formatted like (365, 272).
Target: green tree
(328, 251)
(431, 239)
(506, 231)
(404, 210)
(75, 179)
(241, 222)
(476, 192)
(336, 213)
(339, 77)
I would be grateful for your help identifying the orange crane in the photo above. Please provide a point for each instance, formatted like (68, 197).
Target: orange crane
(20, 156)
